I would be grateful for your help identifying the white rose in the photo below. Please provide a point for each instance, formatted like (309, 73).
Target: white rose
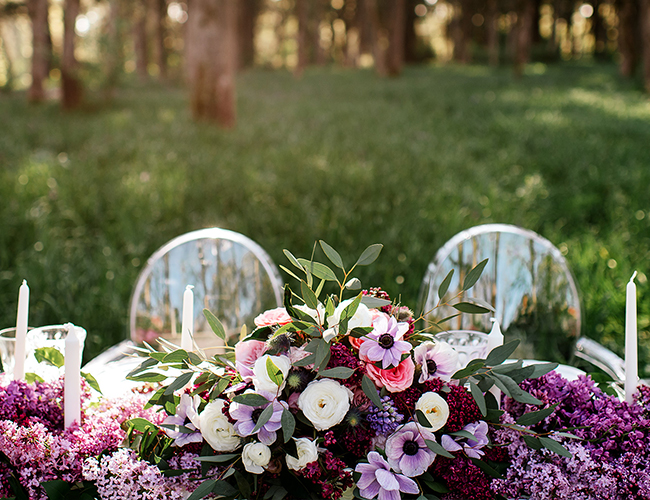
(361, 318)
(255, 457)
(307, 453)
(435, 408)
(216, 429)
(316, 314)
(261, 379)
(325, 402)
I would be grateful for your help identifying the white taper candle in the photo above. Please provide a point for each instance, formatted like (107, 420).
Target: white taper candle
(72, 382)
(631, 348)
(187, 328)
(21, 331)
(495, 339)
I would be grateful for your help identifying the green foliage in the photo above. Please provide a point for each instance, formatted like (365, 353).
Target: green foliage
(338, 155)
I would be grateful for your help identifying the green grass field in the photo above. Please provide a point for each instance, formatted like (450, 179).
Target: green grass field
(341, 156)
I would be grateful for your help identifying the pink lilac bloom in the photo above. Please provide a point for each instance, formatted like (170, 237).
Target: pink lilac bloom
(187, 416)
(246, 419)
(377, 480)
(385, 342)
(407, 451)
(437, 359)
(472, 447)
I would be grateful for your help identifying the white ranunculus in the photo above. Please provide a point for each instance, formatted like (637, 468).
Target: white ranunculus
(435, 408)
(362, 318)
(255, 457)
(325, 403)
(261, 379)
(216, 429)
(307, 453)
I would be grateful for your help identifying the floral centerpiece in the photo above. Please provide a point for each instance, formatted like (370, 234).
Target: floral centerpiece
(333, 395)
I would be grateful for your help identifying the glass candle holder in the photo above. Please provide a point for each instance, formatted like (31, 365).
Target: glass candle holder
(469, 344)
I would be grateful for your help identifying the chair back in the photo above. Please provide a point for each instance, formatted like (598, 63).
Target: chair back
(526, 280)
(232, 276)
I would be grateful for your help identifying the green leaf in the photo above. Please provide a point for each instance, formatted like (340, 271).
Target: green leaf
(140, 424)
(219, 458)
(477, 394)
(469, 308)
(500, 353)
(340, 372)
(91, 381)
(542, 369)
(490, 471)
(353, 284)
(243, 485)
(293, 260)
(215, 324)
(422, 419)
(332, 255)
(532, 442)
(57, 489)
(360, 331)
(510, 387)
(370, 390)
(251, 399)
(369, 255)
(323, 355)
(438, 449)
(464, 434)
(50, 355)
(533, 417)
(289, 272)
(470, 369)
(444, 286)
(177, 356)
(182, 380)
(554, 446)
(279, 494)
(204, 489)
(568, 435)
(507, 368)
(307, 360)
(178, 428)
(319, 270)
(275, 374)
(288, 424)
(264, 417)
(30, 378)
(309, 296)
(147, 377)
(374, 302)
(473, 276)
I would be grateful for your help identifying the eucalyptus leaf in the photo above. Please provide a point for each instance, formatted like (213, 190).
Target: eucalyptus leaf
(353, 284)
(182, 380)
(422, 419)
(437, 448)
(292, 259)
(470, 308)
(370, 390)
(288, 424)
(219, 458)
(475, 273)
(340, 372)
(308, 296)
(264, 417)
(477, 394)
(542, 369)
(215, 324)
(532, 442)
(491, 471)
(319, 270)
(374, 302)
(274, 373)
(148, 377)
(289, 272)
(251, 399)
(444, 286)
(500, 353)
(470, 369)
(554, 446)
(369, 255)
(534, 417)
(332, 255)
(516, 392)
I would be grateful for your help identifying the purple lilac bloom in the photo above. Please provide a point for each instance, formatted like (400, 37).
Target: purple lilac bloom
(472, 447)
(384, 421)
(385, 342)
(378, 480)
(187, 415)
(407, 451)
(246, 419)
(437, 359)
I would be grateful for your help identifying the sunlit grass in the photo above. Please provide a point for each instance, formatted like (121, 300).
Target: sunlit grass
(338, 155)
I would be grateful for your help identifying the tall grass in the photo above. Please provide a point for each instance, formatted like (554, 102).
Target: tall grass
(338, 155)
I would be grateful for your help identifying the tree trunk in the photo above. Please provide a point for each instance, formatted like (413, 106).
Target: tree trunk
(113, 56)
(248, 11)
(411, 53)
(140, 39)
(302, 13)
(492, 32)
(159, 11)
(462, 31)
(38, 10)
(600, 32)
(524, 34)
(380, 41)
(645, 41)
(72, 90)
(212, 42)
(628, 15)
(397, 37)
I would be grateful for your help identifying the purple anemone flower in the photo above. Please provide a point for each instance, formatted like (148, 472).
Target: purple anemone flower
(385, 342)
(472, 447)
(437, 359)
(246, 419)
(377, 479)
(407, 451)
(187, 416)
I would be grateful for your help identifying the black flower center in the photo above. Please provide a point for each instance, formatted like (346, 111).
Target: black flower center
(256, 414)
(386, 341)
(432, 367)
(411, 448)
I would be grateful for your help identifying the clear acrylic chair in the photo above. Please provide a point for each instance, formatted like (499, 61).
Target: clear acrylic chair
(232, 276)
(528, 283)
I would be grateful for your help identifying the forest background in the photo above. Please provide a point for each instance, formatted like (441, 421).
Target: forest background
(126, 123)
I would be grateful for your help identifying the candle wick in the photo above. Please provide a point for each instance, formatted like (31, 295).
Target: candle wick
(24, 282)
(189, 287)
(633, 276)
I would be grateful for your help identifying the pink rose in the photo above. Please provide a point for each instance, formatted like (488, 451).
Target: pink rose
(246, 353)
(277, 316)
(394, 379)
